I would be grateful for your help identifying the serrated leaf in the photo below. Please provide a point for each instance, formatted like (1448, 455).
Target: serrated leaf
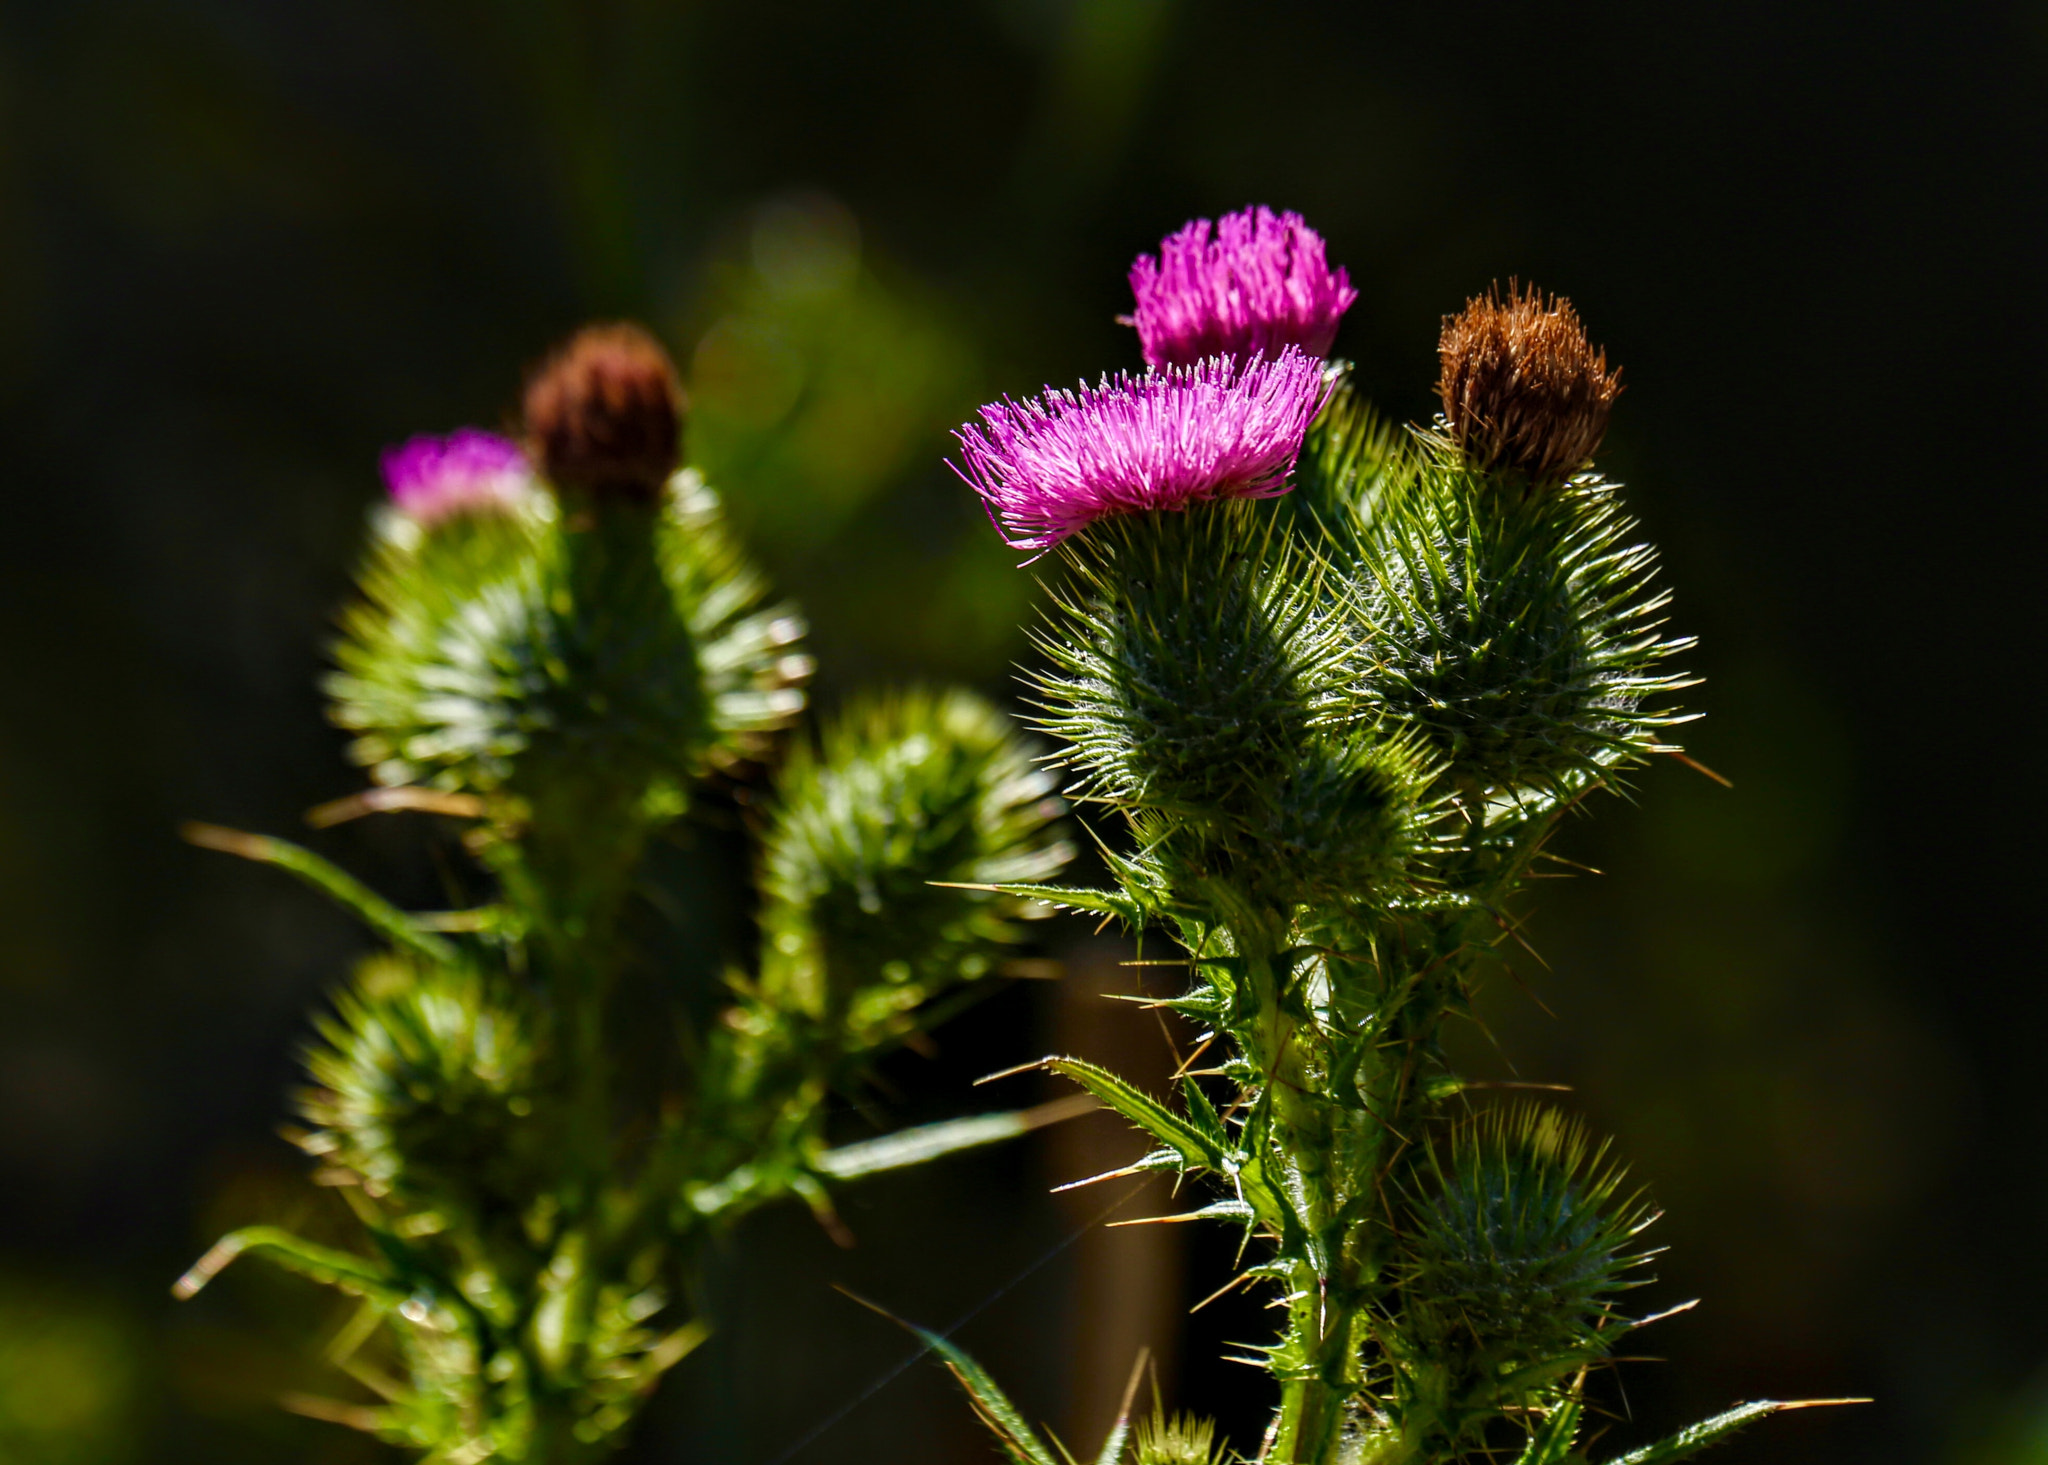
(1119, 1436)
(990, 1402)
(1098, 902)
(1202, 1002)
(1202, 1114)
(1551, 1443)
(1696, 1437)
(1183, 1138)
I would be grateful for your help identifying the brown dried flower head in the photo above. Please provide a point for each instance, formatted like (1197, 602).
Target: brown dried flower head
(605, 414)
(1522, 388)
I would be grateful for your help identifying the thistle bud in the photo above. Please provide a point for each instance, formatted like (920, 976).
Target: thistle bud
(1347, 819)
(1518, 1241)
(425, 1090)
(604, 414)
(1178, 1439)
(901, 793)
(1189, 671)
(1522, 388)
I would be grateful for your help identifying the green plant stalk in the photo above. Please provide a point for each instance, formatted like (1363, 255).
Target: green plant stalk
(1298, 1137)
(1328, 1117)
(1335, 1287)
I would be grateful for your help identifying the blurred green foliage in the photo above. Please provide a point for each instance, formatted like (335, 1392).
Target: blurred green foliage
(243, 246)
(68, 1375)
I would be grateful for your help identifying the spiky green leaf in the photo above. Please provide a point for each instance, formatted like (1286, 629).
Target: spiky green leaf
(1694, 1438)
(1551, 1441)
(990, 1402)
(1186, 1139)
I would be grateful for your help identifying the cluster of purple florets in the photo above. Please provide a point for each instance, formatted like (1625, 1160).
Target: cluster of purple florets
(437, 478)
(1234, 319)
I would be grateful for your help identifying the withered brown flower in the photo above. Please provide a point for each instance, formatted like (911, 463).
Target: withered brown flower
(604, 413)
(1522, 388)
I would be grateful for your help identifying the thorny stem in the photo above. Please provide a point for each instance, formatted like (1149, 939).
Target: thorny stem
(1318, 1141)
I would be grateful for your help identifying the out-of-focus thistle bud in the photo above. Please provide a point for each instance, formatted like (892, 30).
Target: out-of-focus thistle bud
(426, 1085)
(1522, 388)
(1517, 1241)
(902, 791)
(1177, 1439)
(604, 414)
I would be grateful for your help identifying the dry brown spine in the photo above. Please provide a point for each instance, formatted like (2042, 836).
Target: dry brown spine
(1522, 388)
(604, 414)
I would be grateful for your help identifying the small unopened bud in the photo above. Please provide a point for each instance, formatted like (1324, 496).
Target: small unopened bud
(604, 414)
(1521, 386)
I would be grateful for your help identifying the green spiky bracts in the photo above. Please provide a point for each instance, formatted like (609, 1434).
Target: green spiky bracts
(561, 646)
(1340, 728)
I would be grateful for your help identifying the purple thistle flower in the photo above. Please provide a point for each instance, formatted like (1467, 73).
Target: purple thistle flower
(1262, 282)
(1048, 467)
(433, 478)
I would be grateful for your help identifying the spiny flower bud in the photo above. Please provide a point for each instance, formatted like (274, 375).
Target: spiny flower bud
(901, 792)
(1519, 1240)
(425, 1088)
(604, 414)
(1179, 1439)
(1521, 386)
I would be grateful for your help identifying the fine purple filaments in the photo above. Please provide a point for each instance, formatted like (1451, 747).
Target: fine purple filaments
(1254, 281)
(433, 478)
(1048, 467)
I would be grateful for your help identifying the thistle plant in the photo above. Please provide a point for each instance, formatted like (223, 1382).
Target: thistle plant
(559, 648)
(1339, 731)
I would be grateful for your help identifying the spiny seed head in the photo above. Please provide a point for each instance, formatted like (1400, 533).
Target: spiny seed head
(604, 414)
(1522, 388)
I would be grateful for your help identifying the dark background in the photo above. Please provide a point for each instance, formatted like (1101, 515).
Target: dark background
(244, 245)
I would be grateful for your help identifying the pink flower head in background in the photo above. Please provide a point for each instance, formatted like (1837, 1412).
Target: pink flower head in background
(432, 478)
(1253, 281)
(1048, 467)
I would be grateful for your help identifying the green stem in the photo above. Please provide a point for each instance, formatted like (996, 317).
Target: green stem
(1334, 1149)
(1302, 1142)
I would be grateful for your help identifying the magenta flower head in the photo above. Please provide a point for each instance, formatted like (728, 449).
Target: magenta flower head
(433, 478)
(1254, 281)
(1215, 430)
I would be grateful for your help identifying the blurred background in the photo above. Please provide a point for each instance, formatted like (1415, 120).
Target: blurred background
(244, 246)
